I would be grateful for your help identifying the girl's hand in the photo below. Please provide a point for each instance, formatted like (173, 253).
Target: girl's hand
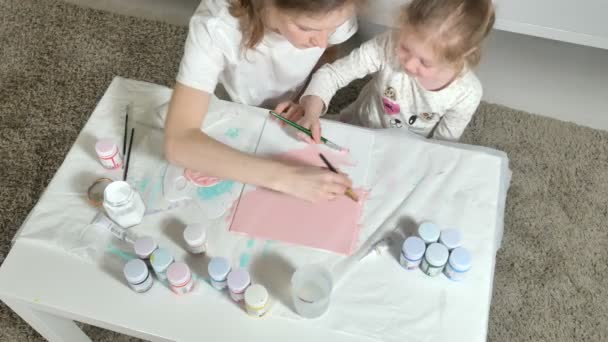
(313, 183)
(290, 110)
(313, 108)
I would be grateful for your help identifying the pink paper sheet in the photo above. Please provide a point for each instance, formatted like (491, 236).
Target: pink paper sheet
(331, 225)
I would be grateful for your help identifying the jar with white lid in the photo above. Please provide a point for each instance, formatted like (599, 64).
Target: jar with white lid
(428, 232)
(180, 278)
(108, 154)
(459, 263)
(435, 258)
(238, 280)
(160, 260)
(218, 269)
(195, 236)
(256, 300)
(137, 275)
(123, 204)
(144, 247)
(412, 252)
(451, 238)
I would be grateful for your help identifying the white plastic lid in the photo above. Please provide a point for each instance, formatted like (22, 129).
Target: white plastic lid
(428, 231)
(218, 268)
(144, 246)
(256, 296)
(135, 271)
(195, 234)
(451, 238)
(161, 259)
(413, 248)
(178, 274)
(117, 193)
(238, 280)
(105, 148)
(436, 254)
(460, 259)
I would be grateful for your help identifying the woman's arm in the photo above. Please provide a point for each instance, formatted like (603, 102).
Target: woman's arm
(186, 145)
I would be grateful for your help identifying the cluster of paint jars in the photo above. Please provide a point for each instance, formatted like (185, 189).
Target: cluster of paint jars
(435, 251)
(160, 260)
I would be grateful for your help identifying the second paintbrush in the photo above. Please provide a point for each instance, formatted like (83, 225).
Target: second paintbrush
(307, 131)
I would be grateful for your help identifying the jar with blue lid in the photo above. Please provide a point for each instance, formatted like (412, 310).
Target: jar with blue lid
(428, 232)
(458, 265)
(218, 269)
(412, 252)
(451, 238)
(435, 258)
(160, 261)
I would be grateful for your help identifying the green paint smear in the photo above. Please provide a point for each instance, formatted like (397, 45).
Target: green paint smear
(120, 253)
(250, 243)
(232, 133)
(217, 190)
(245, 257)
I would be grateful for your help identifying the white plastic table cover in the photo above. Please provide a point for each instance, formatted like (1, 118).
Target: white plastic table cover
(411, 180)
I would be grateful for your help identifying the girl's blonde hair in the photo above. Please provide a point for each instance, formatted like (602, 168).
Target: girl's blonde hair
(249, 14)
(456, 28)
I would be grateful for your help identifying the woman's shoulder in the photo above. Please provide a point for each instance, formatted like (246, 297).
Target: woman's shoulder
(214, 15)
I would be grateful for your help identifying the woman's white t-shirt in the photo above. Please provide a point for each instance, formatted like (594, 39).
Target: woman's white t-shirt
(273, 72)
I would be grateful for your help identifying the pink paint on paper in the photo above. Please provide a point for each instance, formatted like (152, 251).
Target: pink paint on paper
(200, 179)
(330, 225)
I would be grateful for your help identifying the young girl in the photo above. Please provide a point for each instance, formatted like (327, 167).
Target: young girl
(256, 52)
(423, 79)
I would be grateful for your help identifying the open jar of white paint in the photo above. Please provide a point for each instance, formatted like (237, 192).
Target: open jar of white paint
(180, 278)
(137, 275)
(123, 204)
(458, 265)
(195, 236)
(256, 300)
(218, 269)
(428, 232)
(412, 252)
(238, 281)
(434, 260)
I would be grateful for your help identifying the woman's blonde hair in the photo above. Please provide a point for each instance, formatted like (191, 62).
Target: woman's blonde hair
(456, 28)
(249, 14)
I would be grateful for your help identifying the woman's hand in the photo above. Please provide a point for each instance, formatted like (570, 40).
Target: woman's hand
(313, 183)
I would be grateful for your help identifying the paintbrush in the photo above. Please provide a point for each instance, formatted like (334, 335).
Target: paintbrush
(307, 131)
(349, 192)
(124, 176)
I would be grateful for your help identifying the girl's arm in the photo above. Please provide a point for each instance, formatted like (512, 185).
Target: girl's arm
(365, 60)
(455, 120)
(186, 145)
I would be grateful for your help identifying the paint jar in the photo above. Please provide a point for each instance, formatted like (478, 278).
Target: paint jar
(428, 232)
(195, 236)
(256, 300)
(123, 204)
(137, 275)
(160, 260)
(180, 278)
(108, 153)
(311, 287)
(451, 238)
(144, 247)
(412, 252)
(435, 258)
(458, 265)
(238, 281)
(218, 271)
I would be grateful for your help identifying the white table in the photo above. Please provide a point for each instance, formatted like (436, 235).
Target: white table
(50, 288)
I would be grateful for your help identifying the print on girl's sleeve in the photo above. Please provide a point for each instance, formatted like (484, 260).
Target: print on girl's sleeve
(391, 107)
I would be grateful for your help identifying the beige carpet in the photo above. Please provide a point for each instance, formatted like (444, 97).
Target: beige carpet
(56, 60)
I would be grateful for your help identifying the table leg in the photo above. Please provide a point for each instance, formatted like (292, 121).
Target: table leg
(51, 327)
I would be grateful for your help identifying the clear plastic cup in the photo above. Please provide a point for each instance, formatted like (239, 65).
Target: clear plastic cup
(311, 287)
